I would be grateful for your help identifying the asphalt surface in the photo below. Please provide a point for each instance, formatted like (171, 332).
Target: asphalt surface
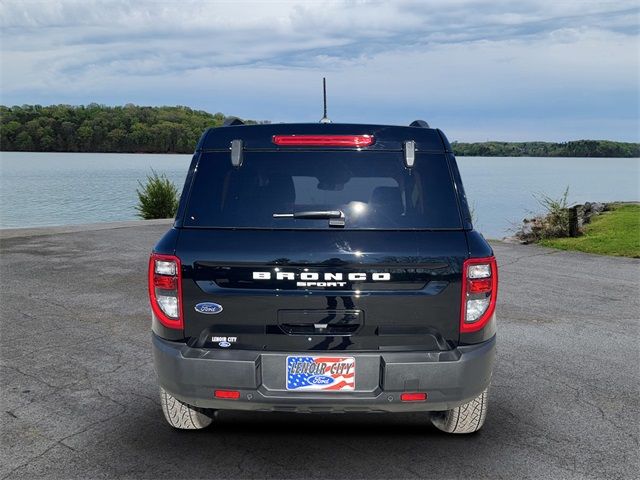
(79, 396)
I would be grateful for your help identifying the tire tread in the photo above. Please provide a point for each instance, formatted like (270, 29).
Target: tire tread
(467, 418)
(180, 415)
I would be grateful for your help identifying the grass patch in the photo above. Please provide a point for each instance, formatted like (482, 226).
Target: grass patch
(615, 232)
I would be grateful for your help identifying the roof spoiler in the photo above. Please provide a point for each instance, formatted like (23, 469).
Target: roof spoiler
(409, 153)
(237, 146)
(410, 145)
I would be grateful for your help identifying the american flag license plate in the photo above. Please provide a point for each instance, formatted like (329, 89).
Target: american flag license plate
(311, 373)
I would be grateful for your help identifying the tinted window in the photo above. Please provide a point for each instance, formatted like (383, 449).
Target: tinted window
(373, 189)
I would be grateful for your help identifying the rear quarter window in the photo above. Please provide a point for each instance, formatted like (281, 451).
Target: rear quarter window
(374, 189)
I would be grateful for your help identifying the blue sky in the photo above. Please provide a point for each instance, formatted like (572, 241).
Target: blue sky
(480, 70)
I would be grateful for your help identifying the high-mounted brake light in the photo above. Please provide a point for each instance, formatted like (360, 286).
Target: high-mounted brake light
(479, 293)
(165, 290)
(324, 140)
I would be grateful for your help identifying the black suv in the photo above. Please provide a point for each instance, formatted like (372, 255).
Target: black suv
(324, 268)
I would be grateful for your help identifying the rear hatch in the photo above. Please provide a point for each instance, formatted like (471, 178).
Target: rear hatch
(388, 279)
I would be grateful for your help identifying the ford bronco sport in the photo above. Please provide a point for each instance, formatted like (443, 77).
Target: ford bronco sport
(323, 268)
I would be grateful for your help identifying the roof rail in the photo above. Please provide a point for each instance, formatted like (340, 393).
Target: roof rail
(232, 122)
(419, 123)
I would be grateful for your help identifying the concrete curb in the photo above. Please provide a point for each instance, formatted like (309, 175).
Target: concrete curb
(7, 233)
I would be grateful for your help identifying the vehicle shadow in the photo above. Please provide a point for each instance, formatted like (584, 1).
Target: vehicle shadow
(288, 445)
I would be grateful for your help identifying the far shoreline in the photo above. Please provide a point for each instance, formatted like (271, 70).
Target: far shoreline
(96, 128)
(191, 153)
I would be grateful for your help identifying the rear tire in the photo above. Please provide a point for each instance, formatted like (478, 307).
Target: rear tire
(182, 416)
(467, 418)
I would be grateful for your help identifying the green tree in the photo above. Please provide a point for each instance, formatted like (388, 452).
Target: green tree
(24, 142)
(84, 136)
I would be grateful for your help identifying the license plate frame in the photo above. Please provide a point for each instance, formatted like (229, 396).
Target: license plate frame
(320, 373)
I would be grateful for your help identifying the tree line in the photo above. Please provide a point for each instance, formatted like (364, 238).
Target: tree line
(99, 128)
(577, 148)
(137, 129)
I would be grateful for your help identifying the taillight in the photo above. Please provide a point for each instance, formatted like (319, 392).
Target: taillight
(324, 140)
(165, 289)
(479, 292)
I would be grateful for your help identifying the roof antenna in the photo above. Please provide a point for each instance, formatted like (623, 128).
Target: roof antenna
(324, 118)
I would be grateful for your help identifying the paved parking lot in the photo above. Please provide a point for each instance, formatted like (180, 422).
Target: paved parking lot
(79, 398)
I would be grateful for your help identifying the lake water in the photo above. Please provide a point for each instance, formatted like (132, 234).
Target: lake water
(42, 189)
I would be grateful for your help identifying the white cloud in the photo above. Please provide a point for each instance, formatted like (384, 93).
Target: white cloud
(485, 61)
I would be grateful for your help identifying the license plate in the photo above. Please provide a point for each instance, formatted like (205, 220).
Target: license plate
(313, 373)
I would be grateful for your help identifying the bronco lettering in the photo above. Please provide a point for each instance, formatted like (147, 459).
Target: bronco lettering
(328, 277)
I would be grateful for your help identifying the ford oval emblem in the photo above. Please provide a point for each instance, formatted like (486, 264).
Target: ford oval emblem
(208, 308)
(320, 380)
(224, 344)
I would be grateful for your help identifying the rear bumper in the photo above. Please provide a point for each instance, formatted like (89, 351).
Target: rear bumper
(449, 378)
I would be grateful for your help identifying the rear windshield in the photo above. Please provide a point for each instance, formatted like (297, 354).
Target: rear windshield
(372, 189)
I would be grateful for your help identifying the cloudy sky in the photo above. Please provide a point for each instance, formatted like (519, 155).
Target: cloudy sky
(480, 70)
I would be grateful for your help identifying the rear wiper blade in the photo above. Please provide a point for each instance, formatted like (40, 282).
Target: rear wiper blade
(311, 214)
(335, 217)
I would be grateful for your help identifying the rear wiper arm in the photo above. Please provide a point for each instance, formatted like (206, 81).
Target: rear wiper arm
(335, 217)
(311, 214)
